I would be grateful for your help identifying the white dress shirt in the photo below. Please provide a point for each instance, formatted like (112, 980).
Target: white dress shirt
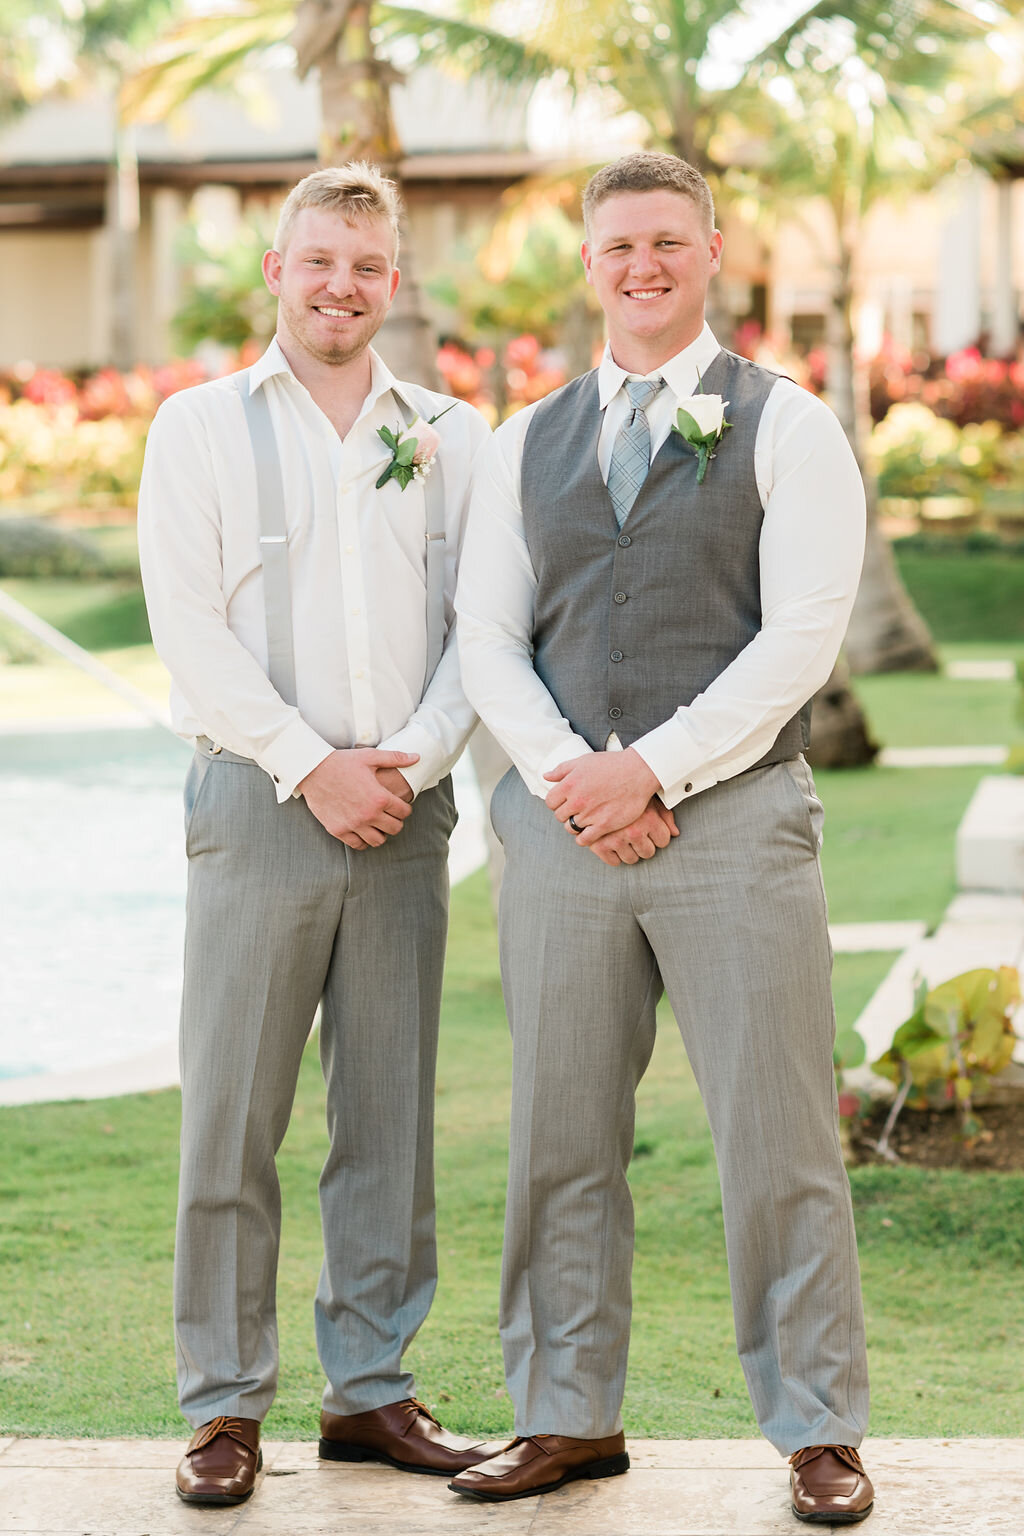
(811, 548)
(357, 570)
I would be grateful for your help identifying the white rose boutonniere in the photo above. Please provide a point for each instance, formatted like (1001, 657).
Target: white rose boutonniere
(700, 422)
(413, 450)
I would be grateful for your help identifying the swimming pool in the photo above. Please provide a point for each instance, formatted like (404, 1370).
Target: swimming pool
(92, 890)
(91, 910)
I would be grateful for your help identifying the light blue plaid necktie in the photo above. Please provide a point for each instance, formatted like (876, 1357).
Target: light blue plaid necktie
(631, 451)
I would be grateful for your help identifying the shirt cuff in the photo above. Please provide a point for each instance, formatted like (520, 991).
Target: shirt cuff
(568, 748)
(294, 754)
(433, 763)
(664, 750)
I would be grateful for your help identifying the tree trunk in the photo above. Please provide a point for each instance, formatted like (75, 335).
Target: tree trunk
(357, 124)
(123, 230)
(407, 336)
(839, 730)
(886, 633)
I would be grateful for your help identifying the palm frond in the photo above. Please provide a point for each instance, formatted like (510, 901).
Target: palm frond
(463, 44)
(202, 51)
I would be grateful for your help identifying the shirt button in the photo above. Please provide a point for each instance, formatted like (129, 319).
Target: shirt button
(350, 549)
(615, 713)
(616, 655)
(358, 674)
(356, 612)
(624, 541)
(620, 597)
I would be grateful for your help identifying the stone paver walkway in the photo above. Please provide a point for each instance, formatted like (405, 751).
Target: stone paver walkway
(942, 757)
(675, 1488)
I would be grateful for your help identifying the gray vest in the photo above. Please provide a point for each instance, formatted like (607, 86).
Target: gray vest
(630, 625)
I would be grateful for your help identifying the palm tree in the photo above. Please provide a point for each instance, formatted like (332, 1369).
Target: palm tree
(867, 113)
(865, 77)
(338, 39)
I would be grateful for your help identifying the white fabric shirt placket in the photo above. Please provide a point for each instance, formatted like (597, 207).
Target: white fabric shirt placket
(355, 604)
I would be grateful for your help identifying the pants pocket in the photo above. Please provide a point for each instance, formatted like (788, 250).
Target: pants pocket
(195, 783)
(799, 772)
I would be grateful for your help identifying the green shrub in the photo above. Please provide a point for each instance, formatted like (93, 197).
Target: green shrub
(31, 547)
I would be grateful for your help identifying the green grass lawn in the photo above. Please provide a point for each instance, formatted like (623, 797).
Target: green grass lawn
(87, 1204)
(889, 840)
(969, 713)
(966, 594)
(98, 615)
(87, 1190)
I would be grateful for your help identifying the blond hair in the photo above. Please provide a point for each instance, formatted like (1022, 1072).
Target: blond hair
(648, 170)
(356, 191)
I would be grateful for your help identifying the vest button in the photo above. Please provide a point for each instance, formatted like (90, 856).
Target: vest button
(624, 541)
(616, 655)
(687, 788)
(615, 713)
(619, 597)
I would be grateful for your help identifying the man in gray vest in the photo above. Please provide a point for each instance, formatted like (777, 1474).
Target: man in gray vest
(300, 568)
(659, 569)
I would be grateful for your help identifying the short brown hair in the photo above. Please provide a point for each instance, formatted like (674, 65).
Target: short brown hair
(356, 191)
(648, 170)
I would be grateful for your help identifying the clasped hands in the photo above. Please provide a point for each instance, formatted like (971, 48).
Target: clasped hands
(613, 797)
(360, 795)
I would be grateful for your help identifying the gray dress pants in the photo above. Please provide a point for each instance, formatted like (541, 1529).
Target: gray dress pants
(731, 919)
(280, 916)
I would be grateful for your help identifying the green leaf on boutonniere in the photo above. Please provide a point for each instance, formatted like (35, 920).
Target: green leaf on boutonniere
(404, 466)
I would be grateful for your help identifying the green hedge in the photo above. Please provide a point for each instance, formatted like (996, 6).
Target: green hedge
(970, 590)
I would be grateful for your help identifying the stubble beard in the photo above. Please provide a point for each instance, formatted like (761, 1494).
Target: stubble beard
(333, 354)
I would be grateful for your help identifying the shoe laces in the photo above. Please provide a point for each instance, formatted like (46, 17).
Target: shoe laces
(844, 1452)
(414, 1406)
(223, 1424)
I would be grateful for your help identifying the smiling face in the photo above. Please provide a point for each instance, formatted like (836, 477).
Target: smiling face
(334, 284)
(649, 257)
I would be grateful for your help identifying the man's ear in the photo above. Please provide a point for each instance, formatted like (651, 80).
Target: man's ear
(396, 278)
(585, 254)
(272, 270)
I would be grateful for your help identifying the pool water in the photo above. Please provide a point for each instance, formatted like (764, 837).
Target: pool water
(91, 896)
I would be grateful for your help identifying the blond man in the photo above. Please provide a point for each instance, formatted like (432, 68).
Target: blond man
(300, 575)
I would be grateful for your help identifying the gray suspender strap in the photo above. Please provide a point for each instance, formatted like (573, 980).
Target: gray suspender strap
(274, 544)
(273, 539)
(433, 496)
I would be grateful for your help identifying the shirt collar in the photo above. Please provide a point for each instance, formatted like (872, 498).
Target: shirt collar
(681, 373)
(273, 363)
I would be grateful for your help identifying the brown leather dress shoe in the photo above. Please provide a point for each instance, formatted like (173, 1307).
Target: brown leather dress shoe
(405, 1435)
(541, 1463)
(830, 1485)
(221, 1462)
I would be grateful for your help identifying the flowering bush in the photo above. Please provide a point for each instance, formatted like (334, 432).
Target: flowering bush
(67, 441)
(964, 388)
(916, 453)
(71, 440)
(499, 386)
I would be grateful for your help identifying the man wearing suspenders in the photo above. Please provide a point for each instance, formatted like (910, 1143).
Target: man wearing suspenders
(299, 564)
